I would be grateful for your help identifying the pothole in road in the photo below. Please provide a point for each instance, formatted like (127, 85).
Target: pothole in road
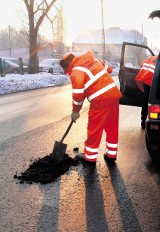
(46, 170)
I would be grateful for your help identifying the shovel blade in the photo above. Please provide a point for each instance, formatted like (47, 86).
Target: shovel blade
(59, 150)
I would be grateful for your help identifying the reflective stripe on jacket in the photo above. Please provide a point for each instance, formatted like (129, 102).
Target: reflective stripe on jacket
(146, 72)
(90, 79)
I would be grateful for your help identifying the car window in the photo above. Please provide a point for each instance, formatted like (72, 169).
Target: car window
(134, 56)
(6, 65)
(14, 60)
(49, 62)
(57, 62)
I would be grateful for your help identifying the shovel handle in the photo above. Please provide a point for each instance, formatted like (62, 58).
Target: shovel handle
(68, 129)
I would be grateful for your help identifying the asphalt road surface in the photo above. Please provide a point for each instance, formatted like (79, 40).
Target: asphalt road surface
(124, 197)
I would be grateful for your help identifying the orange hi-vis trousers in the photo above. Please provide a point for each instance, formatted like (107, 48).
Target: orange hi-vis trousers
(104, 117)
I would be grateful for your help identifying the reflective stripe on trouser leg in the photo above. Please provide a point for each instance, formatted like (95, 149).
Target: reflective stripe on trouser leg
(90, 154)
(111, 150)
(98, 117)
(111, 129)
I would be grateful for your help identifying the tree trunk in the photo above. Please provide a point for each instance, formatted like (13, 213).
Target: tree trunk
(42, 10)
(33, 65)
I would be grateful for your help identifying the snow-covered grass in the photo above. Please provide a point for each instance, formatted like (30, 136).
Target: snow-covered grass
(13, 83)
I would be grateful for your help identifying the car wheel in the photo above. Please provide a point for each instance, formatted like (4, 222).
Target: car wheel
(153, 150)
(50, 70)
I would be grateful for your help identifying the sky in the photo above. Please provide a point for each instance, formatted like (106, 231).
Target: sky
(83, 15)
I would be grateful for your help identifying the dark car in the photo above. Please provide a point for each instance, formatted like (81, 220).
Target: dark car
(131, 57)
(152, 131)
(12, 67)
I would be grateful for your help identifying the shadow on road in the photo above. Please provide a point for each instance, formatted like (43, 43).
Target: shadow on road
(95, 213)
(126, 209)
(48, 218)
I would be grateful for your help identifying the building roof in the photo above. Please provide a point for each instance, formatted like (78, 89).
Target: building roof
(114, 35)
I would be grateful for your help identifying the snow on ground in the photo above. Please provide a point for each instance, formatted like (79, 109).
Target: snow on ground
(13, 83)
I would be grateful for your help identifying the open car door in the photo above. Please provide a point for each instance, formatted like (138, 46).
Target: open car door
(132, 56)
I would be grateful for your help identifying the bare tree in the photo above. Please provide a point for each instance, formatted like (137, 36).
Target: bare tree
(37, 11)
(59, 32)
(56, 43)
(138, 38)
(4, 41)
(10, 37)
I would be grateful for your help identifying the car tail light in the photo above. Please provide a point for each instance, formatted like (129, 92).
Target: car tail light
(154, 111)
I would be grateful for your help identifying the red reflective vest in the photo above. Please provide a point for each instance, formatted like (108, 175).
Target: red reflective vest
(91, 80)
(146, 72)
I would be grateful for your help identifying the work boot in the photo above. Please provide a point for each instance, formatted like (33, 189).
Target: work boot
(109, 160)
(80, 157)
(143, 122)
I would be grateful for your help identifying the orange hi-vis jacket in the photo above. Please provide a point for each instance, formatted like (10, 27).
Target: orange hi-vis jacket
(146, 72)
(91, 80)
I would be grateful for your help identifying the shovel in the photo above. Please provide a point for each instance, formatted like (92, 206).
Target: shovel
(59, 148)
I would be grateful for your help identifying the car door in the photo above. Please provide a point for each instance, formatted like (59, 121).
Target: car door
(131, 57)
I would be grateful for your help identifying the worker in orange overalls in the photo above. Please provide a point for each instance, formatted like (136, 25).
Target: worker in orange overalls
(90, 79)
(144, 82)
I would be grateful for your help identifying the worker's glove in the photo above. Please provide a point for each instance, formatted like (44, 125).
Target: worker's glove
(75, 116)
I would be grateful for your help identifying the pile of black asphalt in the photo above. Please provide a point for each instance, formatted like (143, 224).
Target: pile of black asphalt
(46, 170)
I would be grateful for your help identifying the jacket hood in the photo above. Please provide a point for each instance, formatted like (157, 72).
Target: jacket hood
(83, 60)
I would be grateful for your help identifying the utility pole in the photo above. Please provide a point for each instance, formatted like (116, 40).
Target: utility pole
(10, 47)
(142, 33)
(103, 32)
